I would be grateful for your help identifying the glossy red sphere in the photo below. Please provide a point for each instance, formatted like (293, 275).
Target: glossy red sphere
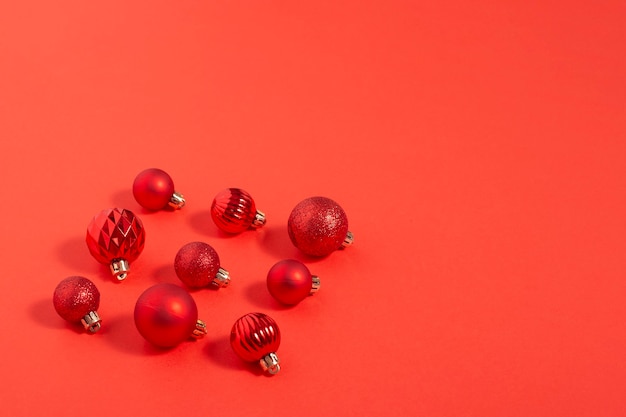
(254, 335)
(289, 281)
(75, 297)
(115, 234)
(317, 226)
(197, 264)
(233, 210)
(153, 189)
(165, 315)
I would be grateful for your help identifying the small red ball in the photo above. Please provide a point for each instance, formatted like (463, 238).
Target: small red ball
(254, 335)
(196, 264)
(289, 281)
(233, 211)
(153, 189)
(165, 315)
(75, 297)
(317, 226)
(115, 234)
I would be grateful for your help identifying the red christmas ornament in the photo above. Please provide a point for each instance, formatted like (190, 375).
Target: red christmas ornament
(166, 314)
(290, 281)
(318, 226)
(256, 337)
(197, 265)
(154, 190)
(233, 211)
(116, 237)
(76, 299)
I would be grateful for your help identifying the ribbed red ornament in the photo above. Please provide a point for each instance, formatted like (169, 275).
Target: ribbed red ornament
(256, 337)
(197, 265)
(166, 314)
(116, 237)
(318, 226)
(76, 299)
(290, 281)
(233, 211)
(153, 189)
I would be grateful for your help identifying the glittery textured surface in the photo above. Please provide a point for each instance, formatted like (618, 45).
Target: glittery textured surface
(153, 188)
(233, 210)
(289, 281)
(115, 234)
(196, 264)
(254, 335)
(165, 315)
(317, 226)
(75, 297)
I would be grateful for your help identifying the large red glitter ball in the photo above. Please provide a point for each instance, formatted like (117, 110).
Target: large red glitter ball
(233, 210)
(317, 226)
(254, 336)
(75, 297)
(289, 281)
(115, 234)
(165, 315)
(197, 264)
(153, 188)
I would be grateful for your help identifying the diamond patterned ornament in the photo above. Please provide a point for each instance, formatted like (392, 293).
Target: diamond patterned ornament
(116, 237)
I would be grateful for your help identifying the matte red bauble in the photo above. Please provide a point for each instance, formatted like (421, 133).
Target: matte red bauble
(197, 265)
(290, 281)
(76, 300)
(256, 337)
(233, 211)
(166, 314)
(116, 237)
(318, 226)
(153, 189)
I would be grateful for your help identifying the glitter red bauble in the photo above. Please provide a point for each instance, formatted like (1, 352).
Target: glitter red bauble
(115, 235)
(254, 337)
(153, 189)
(290, 281)
(75, 299)
(165, 315)
(318, 226)
(197, 265)
(233, 211)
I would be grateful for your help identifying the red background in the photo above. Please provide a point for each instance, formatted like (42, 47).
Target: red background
(477, 147)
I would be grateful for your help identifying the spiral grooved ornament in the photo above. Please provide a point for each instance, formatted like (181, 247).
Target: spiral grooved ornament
(318, 226)
(233, 211)
(76, 300)
(255, 337)
(153, 189)
(116, 237)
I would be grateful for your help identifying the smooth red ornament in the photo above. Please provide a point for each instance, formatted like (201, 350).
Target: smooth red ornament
(318, 226)
(76, 299)
(256, 337)
(290, 281)
(166, 315)
(233, 211)
(116, 237)
(153, 189)
(197, 265)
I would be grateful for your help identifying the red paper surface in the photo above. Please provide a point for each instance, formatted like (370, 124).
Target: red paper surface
(478, 149)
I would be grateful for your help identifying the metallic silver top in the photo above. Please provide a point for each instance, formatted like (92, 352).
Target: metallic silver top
(222, 278)
(120, 268)
(200, 330)
(270, 363)
(91, 321)
(259, 220)
(348, 240)
(315, 286)
(177, 201)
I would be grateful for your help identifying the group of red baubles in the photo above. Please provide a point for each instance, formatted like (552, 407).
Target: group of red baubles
(166, 314)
